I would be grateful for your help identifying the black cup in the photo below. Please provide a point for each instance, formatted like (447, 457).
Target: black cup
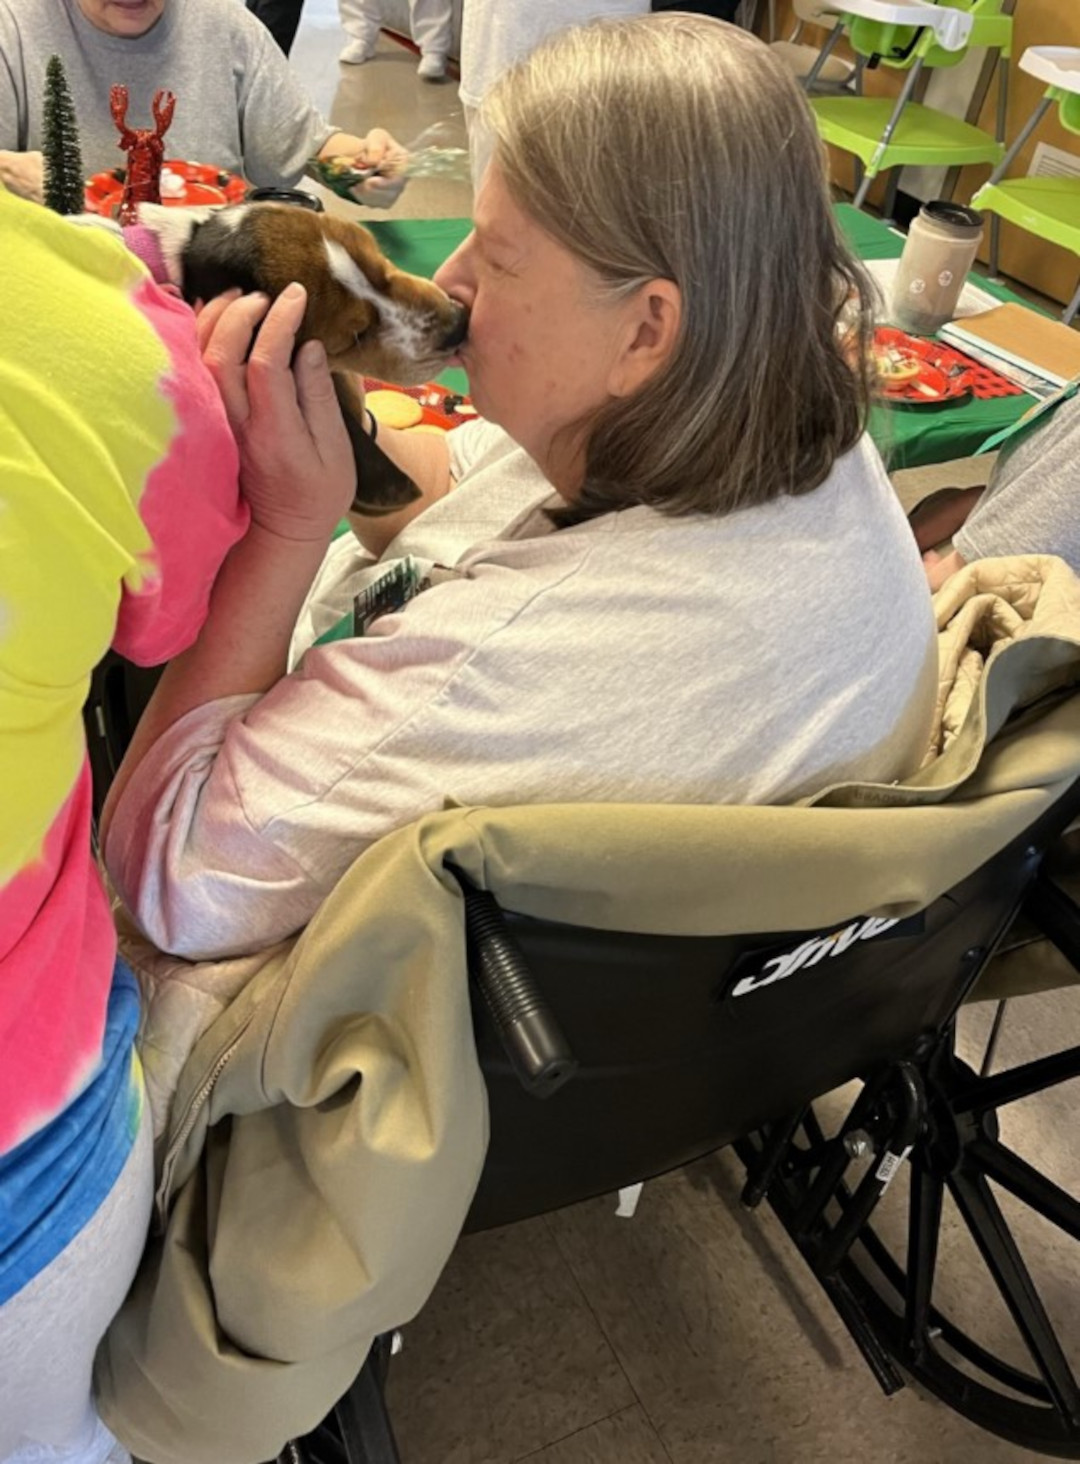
(285, 195)
(956, 216)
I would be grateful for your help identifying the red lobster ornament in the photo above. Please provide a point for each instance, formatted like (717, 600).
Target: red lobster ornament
(145, 148)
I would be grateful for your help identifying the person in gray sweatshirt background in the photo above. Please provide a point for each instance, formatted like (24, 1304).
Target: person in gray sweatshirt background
(1029, 505)
(239, 106)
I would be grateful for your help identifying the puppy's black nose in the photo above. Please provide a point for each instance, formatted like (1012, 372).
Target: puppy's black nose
(459, 330)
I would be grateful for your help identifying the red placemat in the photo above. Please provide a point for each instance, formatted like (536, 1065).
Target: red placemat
(943, 375)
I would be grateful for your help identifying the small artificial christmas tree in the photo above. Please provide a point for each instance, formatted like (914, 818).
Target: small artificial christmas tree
(64, 186)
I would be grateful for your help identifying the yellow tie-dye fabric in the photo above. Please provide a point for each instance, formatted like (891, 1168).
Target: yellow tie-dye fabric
(82, 423)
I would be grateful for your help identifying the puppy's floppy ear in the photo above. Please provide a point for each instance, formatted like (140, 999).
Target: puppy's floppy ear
(345, 331)
(381, 486)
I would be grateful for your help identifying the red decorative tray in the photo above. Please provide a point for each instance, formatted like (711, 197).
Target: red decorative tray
(197, 183)
(440, 407)
(929, 373)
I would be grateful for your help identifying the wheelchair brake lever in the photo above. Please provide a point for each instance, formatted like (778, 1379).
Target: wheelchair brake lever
(528, 1029)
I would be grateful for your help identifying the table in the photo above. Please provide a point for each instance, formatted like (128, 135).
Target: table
(912, 437)
(907, 437)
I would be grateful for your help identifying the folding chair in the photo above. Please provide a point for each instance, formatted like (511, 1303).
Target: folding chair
(1049, 207)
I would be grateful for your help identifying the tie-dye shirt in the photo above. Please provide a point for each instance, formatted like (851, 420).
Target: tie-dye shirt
(119, 499)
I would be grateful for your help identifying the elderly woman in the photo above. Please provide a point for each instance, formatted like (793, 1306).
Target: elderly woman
(703, 589)
(239, 107)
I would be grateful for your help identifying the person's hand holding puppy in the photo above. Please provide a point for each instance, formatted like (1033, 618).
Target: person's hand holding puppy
(296, 462)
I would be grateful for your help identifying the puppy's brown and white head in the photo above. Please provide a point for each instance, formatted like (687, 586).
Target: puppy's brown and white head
(371, 317)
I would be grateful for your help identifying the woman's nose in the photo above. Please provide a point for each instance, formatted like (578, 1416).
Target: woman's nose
(455, 276)
(459, 329)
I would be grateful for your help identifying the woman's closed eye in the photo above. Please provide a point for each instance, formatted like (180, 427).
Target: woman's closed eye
(497, 266)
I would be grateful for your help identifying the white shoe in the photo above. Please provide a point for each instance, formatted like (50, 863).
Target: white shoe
(432, 67)
(357, 52)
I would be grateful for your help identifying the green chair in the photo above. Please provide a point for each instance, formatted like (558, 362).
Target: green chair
(1049, 207)
(912, 36)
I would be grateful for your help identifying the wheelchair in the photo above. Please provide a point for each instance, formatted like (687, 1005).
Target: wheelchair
(594, 1084)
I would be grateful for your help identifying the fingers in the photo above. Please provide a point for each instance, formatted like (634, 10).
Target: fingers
(376, 146)
(380, 192)
(207, 315)
(226, 350)
(277, 336)
(270, 381)
(319, 407)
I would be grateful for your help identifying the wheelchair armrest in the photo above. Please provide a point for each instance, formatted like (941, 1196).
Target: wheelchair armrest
(528, 1029)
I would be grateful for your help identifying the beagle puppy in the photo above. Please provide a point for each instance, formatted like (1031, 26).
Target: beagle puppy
(372, 318)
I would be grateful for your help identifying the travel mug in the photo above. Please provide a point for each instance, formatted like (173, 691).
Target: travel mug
(940, 249)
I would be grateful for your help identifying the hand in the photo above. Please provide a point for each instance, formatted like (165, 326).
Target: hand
(24, 174)
(296, 462)
(940, 567)
(384, 152)
(380, 150)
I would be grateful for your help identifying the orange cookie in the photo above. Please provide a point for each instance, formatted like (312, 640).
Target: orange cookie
(892, 372)
(393, 409)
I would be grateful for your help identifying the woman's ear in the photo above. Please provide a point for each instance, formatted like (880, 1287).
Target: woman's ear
(654, 315)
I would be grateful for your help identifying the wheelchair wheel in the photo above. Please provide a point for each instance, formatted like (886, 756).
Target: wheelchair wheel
(1024, 1389)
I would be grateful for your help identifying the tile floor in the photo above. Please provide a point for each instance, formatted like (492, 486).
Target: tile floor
(691, 1334)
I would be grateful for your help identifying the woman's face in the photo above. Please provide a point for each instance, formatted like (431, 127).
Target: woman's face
(130, 18)
(542, 350)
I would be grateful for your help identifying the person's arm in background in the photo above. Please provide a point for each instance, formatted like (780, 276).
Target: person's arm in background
(375, 150)
(283, 131)
(934, 521)
(21, 172)
(1030, 504)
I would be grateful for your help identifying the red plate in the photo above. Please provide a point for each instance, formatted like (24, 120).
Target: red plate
(202, 184)
(943, 374)
(440, 407)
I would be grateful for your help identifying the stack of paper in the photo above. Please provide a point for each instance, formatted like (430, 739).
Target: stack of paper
(1038, 353)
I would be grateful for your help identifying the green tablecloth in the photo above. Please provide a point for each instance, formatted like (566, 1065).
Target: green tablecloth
(907, 436)
(912, 437)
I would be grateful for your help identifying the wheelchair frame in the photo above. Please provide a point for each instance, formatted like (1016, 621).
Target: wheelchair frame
(922, 1104)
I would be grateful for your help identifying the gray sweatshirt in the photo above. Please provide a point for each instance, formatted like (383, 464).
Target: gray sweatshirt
(1032, 502)
(751, 658)
(239, 107)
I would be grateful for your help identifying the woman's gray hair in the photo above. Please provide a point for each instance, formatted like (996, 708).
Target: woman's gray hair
(678, 147)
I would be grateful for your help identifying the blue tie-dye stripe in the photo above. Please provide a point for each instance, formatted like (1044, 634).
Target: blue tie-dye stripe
(53, 1183)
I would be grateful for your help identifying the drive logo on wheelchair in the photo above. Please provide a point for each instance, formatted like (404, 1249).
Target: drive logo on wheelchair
(817, 948)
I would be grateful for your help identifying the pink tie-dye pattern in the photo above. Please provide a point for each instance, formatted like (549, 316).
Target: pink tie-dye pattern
(57, 942)
(191, 506)
(54, 975)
